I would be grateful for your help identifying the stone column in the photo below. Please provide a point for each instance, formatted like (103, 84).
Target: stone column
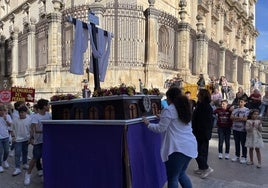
(54, 46)
(234, 67)
(209, 19)
(151, 47)
(255, 68)
(183, 44)
(246, 76)
(31, 51)
(2, 57)
(220, 25)
(262, 73)
(15, 55)
(222, 59)
(182, 55)
(201, 61)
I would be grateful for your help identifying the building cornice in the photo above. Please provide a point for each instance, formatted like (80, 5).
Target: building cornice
(17, 10)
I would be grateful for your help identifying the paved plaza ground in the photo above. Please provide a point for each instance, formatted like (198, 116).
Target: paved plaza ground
(226, 174)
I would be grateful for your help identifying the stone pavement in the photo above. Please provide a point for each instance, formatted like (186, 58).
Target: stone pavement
(226, 174)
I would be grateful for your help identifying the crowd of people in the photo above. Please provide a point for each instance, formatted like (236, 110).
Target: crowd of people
(186, 128)
(20, 127)
(185, 124)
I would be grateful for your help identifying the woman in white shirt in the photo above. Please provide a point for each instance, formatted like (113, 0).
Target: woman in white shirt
(179, 144)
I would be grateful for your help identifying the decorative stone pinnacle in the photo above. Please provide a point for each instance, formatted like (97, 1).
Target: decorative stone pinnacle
(199, 24)
(58, 4)
(151, 3)
(182, 4)
(182, 12)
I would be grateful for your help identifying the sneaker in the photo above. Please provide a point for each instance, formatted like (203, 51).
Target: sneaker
(258, 165)
(29, 158)
(227, 156)
(198, 171)
(5, 164)
(40, 172)
(1, 169)
(235, 159)
(27, 179)
(16, 172)
(249, 163)
(206, 172)
(25, 166)
(11, 153)
(220, 155)
(243, 160)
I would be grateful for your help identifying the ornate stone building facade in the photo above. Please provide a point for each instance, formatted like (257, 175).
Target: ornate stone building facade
(152, 40)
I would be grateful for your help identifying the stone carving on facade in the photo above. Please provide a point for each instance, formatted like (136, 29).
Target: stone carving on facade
(168, 20)
(151, 3)
(181, 36)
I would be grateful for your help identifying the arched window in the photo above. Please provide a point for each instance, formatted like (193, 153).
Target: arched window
(163, 41)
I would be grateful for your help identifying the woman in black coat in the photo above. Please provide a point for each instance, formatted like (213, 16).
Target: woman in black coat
(202, 124)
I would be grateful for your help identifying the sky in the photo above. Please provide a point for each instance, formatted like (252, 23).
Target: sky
(262, 27)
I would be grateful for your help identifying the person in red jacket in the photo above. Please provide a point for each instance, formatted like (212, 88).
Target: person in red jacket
(224, 124)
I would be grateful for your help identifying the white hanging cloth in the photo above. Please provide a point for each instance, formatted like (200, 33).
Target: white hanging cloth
(103, 52)
(79, 48)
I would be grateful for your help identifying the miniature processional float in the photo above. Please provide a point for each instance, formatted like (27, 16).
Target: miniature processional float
(100, 141)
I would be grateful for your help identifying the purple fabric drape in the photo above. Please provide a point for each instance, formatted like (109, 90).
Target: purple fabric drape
(82, 156)
(148, 170)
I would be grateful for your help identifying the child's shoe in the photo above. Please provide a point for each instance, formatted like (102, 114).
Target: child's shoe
(243, 160)
(27, 179)
(235, 159)
(5, 164)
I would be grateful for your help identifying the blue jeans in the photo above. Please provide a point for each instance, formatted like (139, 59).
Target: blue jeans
(263, 109)
(240, 139)
(4, 149)
(224, 134)
(21, 148)
(176, 166)
(37, 151)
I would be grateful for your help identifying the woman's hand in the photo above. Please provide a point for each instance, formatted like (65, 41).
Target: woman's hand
(145, 120)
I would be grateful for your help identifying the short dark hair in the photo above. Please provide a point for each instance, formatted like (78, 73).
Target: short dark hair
(22, 109)
(243, 99)
(224, 100)
(41, 103)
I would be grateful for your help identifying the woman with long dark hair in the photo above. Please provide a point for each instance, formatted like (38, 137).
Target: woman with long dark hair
(179, 145)
(202, 128)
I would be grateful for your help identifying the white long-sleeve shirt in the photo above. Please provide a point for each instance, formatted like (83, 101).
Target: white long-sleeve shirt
(176, 135)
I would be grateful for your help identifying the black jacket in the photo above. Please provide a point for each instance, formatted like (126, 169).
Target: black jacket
(202, 121)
